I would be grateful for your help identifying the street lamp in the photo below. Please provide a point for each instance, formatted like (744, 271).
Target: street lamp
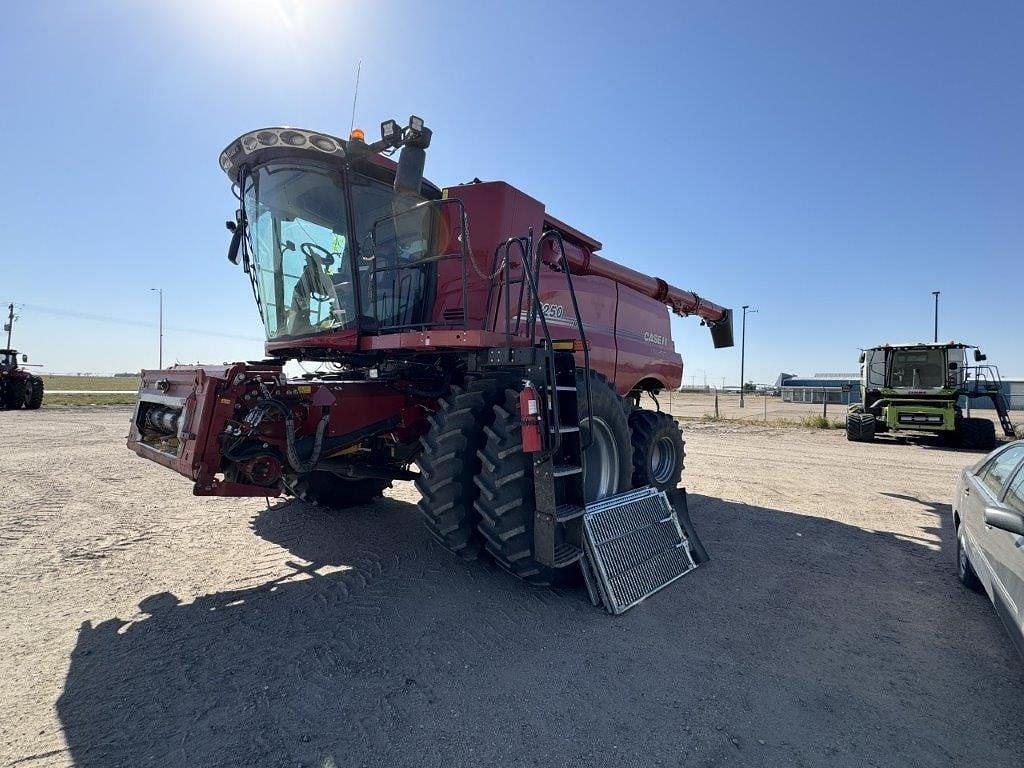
(743, 348)
(936, 295)
(160, 291)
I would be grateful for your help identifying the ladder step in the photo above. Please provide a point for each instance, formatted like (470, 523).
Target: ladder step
(566, 388)
(563, 470)
(566, 554)
(565, 429)
(566, 512)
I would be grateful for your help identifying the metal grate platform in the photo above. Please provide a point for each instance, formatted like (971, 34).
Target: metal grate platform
(635, 546)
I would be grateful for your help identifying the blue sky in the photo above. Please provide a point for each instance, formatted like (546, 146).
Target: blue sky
(828, 163)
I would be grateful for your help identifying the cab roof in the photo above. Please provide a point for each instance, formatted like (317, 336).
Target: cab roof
(926, 345)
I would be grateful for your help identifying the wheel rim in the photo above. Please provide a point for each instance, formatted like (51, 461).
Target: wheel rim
(663, 459)
(601, 461)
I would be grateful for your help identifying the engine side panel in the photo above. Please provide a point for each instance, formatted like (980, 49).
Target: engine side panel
(643, 338)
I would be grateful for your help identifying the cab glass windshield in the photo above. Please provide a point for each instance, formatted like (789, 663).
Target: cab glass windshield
(298, 234)
(918, 368)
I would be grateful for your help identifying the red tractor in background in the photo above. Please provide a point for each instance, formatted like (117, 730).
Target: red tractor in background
(462, 330)
(18, 387)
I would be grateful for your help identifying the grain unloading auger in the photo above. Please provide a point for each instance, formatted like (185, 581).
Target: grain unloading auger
(462, 330)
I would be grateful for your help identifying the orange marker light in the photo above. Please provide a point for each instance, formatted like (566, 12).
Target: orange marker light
(357, 134)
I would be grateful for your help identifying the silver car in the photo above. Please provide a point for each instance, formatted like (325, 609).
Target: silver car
(988, 513)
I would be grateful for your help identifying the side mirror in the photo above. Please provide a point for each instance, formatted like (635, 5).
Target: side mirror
(1005, 519)
(862, 358)
(24, 358)
(978, 357)
(236, 241)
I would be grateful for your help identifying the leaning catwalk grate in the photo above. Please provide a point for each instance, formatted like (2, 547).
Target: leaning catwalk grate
(636, 546)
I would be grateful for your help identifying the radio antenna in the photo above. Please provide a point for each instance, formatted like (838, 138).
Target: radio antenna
(355, 96)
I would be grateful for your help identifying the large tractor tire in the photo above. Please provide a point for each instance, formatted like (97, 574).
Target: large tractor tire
(326, 489)
(506, 503)
(976, 434)
(17, 393)
(449, 465)
(860, 427)
(658, 449)
(35, 397)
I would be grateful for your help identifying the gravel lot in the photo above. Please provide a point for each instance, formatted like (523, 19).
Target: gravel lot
(142, 626)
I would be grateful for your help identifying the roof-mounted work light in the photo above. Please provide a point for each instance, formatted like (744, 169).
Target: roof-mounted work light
(389, 131)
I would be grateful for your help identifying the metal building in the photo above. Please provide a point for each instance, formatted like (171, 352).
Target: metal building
(839, 388)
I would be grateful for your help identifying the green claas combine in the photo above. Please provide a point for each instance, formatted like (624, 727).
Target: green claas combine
(919, 387)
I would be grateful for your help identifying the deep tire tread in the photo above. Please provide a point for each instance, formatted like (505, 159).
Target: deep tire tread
(449, 463)
(646, 428)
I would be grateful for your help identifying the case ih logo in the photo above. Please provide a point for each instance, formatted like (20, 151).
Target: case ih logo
(655, 338)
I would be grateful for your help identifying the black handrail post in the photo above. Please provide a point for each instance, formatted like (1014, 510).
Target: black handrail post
(564, 264)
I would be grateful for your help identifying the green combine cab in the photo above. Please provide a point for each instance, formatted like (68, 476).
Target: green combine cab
(917, 388)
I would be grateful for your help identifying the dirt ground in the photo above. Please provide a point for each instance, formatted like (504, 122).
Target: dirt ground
(143, 626)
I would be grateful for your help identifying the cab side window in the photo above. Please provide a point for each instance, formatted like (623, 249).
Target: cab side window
(997, 471)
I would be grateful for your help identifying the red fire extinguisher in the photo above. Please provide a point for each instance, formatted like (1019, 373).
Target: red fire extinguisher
(529, 413)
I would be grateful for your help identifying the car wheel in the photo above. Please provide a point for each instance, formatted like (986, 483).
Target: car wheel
(964, 569)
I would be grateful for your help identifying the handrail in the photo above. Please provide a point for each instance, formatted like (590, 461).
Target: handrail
(464, 254)
(556, 236)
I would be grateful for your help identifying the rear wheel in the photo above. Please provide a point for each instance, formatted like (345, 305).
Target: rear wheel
(977, 434)
(449, 465)
(507, 503)
(18, 391)
(328, 490)
(35, 396)
(658, 449)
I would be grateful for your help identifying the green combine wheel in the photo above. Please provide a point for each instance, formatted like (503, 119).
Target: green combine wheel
(860, 427)
(976, 434)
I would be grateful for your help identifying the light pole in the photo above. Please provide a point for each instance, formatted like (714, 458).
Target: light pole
(160, 291)
(743, 349)
(9, 325)
(936, 295)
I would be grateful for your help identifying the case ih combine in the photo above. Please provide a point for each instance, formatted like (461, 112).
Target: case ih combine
(465, 331)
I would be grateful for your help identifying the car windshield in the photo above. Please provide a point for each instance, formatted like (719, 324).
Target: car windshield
(918, 368)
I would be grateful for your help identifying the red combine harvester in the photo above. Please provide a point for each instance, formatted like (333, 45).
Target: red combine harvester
(463, 330)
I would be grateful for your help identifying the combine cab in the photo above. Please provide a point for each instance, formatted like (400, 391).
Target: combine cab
(18, 387)
(918, 388)
(471, 342)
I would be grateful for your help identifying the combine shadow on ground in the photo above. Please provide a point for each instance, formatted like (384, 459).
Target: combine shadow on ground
(803, 642)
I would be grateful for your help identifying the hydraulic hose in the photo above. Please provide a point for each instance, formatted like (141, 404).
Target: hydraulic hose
(291, 453)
